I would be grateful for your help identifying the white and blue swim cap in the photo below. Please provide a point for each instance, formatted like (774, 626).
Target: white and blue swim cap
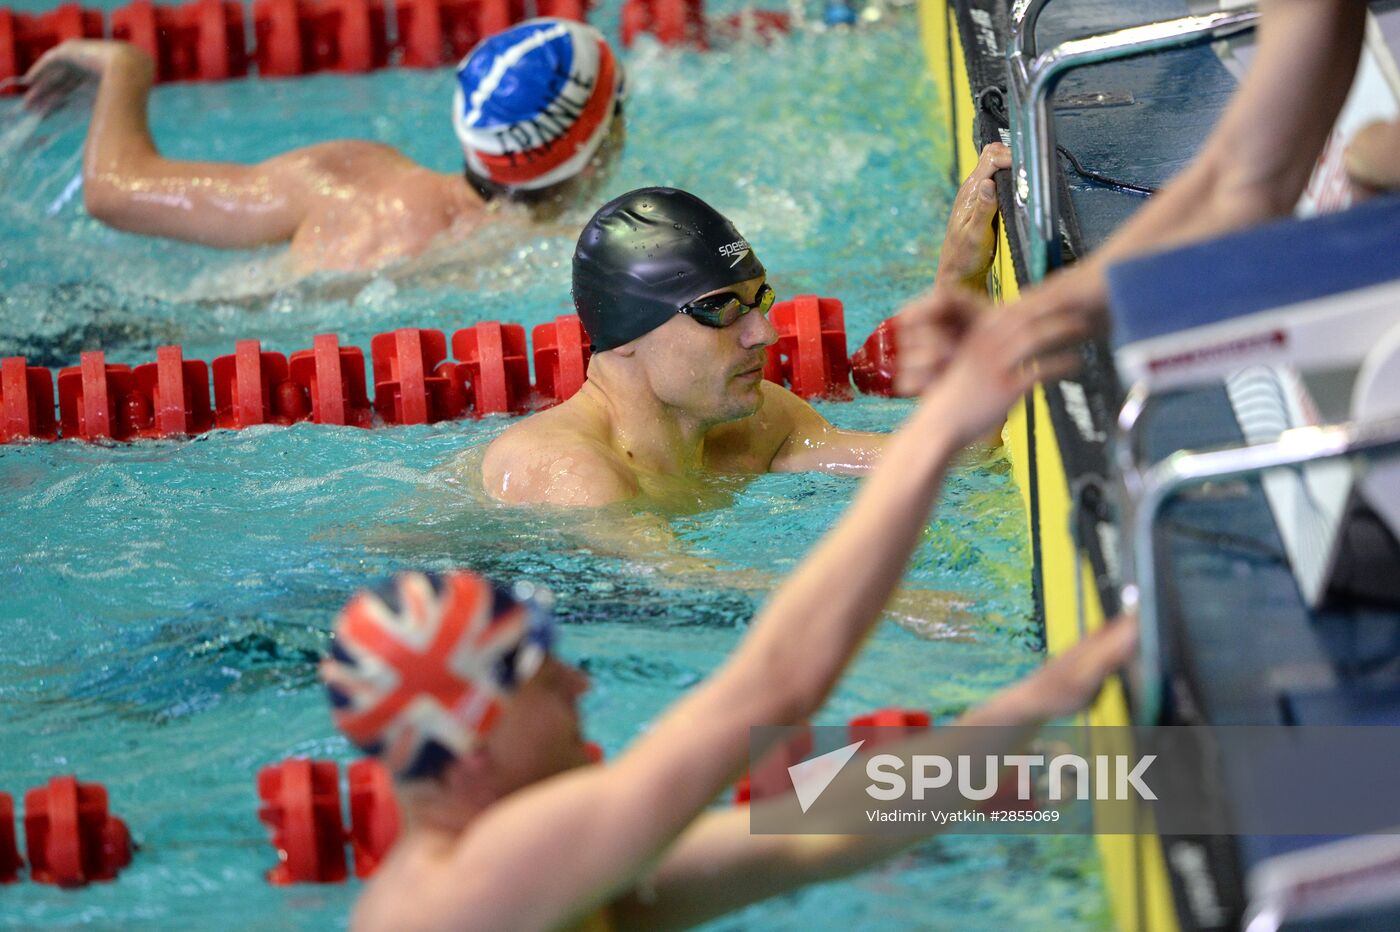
(534, 102)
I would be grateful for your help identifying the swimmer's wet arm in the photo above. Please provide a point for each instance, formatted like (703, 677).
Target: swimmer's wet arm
(813, 444)
(129, 185)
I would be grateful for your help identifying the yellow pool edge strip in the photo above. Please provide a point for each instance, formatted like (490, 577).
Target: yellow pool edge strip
(1134, 871)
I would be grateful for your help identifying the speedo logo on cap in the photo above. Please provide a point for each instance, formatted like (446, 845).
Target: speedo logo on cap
(738, 249)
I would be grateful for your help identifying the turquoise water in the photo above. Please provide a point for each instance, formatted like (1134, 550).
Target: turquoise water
(166, 601)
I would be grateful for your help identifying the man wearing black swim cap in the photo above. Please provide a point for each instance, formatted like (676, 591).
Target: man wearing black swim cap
(675, 302)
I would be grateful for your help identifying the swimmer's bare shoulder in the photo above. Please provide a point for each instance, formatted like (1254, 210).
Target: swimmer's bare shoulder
(557, 457)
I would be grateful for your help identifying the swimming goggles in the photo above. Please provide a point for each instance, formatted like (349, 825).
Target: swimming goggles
(721, 310)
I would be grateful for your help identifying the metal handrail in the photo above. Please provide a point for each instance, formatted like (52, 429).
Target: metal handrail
(1024, 16)
(1031, 84)
(1185, 468)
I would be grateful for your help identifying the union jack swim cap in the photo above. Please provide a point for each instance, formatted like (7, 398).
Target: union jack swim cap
(418, 666)
(534, 102)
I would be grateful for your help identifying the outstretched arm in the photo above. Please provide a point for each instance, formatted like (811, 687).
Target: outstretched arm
(814, 444)
(621, 818)
(128, 184)
(719, 866)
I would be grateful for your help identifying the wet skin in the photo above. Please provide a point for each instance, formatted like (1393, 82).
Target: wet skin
(682, 401)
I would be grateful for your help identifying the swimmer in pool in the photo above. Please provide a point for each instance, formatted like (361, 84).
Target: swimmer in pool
(538, 110)
(675, 302)
(450, 683)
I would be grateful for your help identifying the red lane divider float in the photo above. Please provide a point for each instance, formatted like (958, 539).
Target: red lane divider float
(873, 365)
(495, 366)
(26, 402)
(24, 37)
(71, 837)
(810, 355)
(333, 378)
(672, 22)
(885, 726)
(10, 861)
(433, 33)
(295, 37)
(208, 40)
(561, 358)
(301, 807)
(413, 380)
(199, 41)
(770, 776)
(374, 814)
(252, 387)
(174, 395)
(92, 397)
(407, 386)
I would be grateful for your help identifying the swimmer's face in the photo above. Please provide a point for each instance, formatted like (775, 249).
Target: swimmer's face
(712, 374)
(538, 734)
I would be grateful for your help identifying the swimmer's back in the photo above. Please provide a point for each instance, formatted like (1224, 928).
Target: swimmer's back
(367, 203)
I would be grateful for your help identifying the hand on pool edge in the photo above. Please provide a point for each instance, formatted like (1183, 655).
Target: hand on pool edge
(1067, 683)
(969, 242)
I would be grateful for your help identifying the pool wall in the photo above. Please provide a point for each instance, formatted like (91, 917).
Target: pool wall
(1134, 871)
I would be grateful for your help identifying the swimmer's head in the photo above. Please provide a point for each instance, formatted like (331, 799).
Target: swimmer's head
(646, 255)
(428, 669)
(663, 277)
(537, 107)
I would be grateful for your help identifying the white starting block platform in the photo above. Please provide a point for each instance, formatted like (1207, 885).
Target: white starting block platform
(1301, 322)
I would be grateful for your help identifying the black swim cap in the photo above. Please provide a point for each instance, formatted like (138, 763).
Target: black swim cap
(647, 254)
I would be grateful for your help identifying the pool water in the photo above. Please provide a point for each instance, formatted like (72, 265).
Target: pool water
(166, 601)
